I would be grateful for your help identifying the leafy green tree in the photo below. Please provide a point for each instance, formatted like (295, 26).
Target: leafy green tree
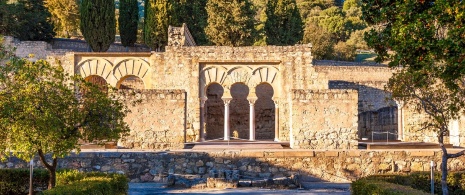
(158, 16)
(194, 14)
(98, 24)
(321, 40)
(41, 113)
(27, 20)
(283, 25)
(65, 16)
(230, 22)
(333, 21)
(423, 40)
(306, 7)
(128, 20)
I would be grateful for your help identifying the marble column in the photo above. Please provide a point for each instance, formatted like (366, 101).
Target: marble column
(203, 100)
(400, 120)
(276, 120)
(252, 118)
(226, 101)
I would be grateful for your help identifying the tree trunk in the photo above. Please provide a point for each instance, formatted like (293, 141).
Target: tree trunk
(51, 169)
(445, 191)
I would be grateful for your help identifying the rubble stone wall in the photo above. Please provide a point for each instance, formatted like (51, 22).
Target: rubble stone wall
(331, 165)
(157, 122)
(325, 119)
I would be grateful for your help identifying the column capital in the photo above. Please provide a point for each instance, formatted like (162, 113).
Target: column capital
(227, 100)
(252, 100)
(202, 101)
(276, 101)
(400, 104)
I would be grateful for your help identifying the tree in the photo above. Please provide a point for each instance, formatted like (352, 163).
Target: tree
(43, 112)
(65, 16)
(283, 25)
(98, 24)
(424, 42)
(194, 14)
(27, 20)
(321, 40)
(158, 16)
(128, 20)
(230, 22)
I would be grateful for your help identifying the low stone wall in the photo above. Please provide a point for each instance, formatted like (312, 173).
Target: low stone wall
(158, 121)
(316, 126)
(333, 165)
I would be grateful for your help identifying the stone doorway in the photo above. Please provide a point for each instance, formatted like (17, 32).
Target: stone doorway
(239, 111)
(214, 112)
(264, 112)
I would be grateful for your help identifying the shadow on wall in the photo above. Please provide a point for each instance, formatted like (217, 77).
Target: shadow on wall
(377, 113)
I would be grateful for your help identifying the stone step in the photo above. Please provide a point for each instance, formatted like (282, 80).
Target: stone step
(237, 146)
(325, 185)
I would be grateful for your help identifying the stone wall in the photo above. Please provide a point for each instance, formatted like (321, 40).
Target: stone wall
(157, 122)
(325, 119)
(332, 165)
(375, 124)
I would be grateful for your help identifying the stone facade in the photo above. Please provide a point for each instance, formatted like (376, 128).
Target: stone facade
(254, 93)
(331, 165)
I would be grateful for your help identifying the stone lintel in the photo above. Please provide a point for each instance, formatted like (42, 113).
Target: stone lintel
(331, 153)
(299, 154)
(251, 154)
(422, 153)
(274, 154)
(354, 153)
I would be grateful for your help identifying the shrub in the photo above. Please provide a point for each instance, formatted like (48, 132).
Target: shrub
(16, 181)
(367, 186)
(75, 183)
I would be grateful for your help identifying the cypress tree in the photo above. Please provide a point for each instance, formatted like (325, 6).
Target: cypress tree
(283, 25)
(158, 16)
(230, 22)
(128, 18)
(98, 23)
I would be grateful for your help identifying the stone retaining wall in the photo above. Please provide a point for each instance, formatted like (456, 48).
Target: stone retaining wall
(334, 165)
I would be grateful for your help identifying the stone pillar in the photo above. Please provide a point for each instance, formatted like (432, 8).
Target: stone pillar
(252, 101)
(276, 120)
(203, 100)
(226, 117)
(400, 120)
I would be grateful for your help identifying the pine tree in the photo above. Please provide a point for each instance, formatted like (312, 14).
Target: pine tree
(283, 25)
(230, 22)
(158, 16)
(98, 24)
(128, 18)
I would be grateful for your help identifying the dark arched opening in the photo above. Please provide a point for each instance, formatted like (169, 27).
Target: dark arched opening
(264, 113)
(214, 112)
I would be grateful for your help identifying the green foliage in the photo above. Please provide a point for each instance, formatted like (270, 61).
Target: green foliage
(98, 24)
(73, 182)
(65, 17)
(41, 111)
(366, 186)
(283, 25)
(194, 14)
(27, 20)
(16, 181)
(423, 40)
(128, 20)
(158, 16)
(321, 40)
(344, 52)
(230, 22)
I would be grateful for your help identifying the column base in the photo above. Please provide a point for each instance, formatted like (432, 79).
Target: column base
(226, 138)
(276, 139)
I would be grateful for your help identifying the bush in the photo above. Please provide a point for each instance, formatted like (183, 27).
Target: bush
(16, 181)
(421, 181)
(73, 182)
(367, 186)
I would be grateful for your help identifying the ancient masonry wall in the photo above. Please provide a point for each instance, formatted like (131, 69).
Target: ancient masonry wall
(325, 119)
(157, 122)
(334, 166)
(379, 122)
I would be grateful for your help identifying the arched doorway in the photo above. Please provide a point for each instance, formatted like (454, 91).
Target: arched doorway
(130, 82)
(99, 81)
(214, 111)
(264, 112)
(239, 111)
